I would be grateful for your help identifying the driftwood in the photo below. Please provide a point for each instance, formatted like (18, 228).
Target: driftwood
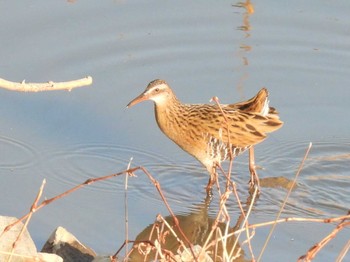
(48, 86)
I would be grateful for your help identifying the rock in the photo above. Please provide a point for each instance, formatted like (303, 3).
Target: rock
(64, 244)
(49, 257)
(25, 246)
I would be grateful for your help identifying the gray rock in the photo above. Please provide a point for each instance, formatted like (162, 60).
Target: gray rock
(64, 244)
(49, 257)
(25, 248)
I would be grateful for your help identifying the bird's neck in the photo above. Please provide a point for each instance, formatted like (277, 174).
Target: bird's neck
(168, 105)
(167, 114)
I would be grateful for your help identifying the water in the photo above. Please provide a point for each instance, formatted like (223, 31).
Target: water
(298, 50)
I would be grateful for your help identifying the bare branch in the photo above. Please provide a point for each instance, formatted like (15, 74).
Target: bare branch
(48, 86)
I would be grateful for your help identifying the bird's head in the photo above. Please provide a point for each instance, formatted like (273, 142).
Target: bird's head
(158, 91)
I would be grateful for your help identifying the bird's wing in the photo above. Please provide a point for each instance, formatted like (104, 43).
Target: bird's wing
(240, 128)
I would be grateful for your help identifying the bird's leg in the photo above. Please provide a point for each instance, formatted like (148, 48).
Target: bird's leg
(212, 179)
(254, 178)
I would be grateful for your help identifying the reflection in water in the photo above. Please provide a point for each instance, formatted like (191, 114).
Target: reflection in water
(244, 47)
(277, 182)
(197, 227)
(249, 10)
(322, 187)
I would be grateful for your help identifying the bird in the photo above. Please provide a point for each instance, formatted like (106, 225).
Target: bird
(213, 133)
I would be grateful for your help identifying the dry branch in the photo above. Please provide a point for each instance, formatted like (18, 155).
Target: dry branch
(310, 255)
(285, 201)
(35, 207)
(48, 86)
(176, 222)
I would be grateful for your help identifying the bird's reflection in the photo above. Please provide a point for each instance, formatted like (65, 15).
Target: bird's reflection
(197, 227)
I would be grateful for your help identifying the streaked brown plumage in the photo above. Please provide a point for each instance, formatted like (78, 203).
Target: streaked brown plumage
(201, 129)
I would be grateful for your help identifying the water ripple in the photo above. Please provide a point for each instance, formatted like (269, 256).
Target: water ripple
(323, 182)
(80, 162)
(16, 154)
(178, 181)
(322, 186)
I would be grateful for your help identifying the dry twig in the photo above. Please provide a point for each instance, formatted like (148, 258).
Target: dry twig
(285, 201)
(310, 255)
(176, 222)
(48, 86)
(48, 201)
(32, 210)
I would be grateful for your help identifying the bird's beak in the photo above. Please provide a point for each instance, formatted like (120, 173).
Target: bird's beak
(137, 100)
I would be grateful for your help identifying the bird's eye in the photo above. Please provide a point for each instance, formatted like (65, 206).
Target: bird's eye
(157, 89)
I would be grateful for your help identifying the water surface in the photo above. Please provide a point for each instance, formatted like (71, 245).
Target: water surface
(298, 50)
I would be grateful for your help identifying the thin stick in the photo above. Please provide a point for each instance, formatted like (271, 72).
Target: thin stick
(228, 181)
(153, 245)
(49, 86)
(216, 100)
(226, 216)
(223, 241)
(154, 228)
(31, 212)
(293, 219)
(284, 202)
(234, 189)
(48, 201)
(245, 221)
(176, 222)
(161, 218)
(224, 196)
(213, 228)
(222, 212)
(126, 214)
(343, 252)
(21, 257)
(300, 219)
(310, 255)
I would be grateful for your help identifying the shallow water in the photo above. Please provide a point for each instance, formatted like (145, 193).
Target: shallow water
(299, 51)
